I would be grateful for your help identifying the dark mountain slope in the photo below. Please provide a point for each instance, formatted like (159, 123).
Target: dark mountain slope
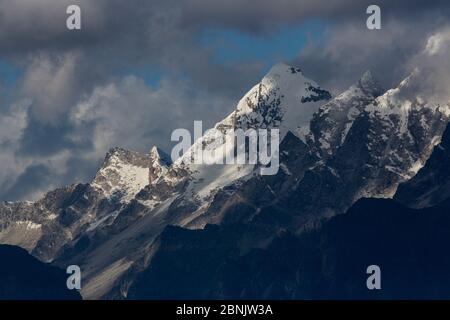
(410, 246)
(23, 277)
(431, 185)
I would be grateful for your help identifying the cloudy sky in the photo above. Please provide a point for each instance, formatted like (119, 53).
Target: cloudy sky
(140, 68)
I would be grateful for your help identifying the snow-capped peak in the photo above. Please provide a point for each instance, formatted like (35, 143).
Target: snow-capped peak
(332, 122)
(159, 164)
(156, 154)
(282, 70)
(284, 99)
(409, 95)
(123, 174)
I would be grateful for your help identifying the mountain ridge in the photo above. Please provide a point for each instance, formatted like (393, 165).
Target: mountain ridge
(362, 143)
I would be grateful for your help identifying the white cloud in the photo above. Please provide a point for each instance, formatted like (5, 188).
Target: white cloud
(131, 114)
(50, 82)
(438, 42)
(434, 67)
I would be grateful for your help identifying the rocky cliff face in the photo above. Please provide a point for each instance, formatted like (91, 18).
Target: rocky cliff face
(431, 186)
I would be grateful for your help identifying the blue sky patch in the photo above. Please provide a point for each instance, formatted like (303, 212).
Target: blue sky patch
(9, 73)
(230, 45)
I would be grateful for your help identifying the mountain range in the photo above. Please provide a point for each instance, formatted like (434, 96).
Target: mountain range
(363, 180)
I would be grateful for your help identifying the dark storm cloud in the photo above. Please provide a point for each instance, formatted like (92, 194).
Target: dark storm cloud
(40, 24)
(164, 33)
(117, 34)
(77, 98)
(258, 16)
